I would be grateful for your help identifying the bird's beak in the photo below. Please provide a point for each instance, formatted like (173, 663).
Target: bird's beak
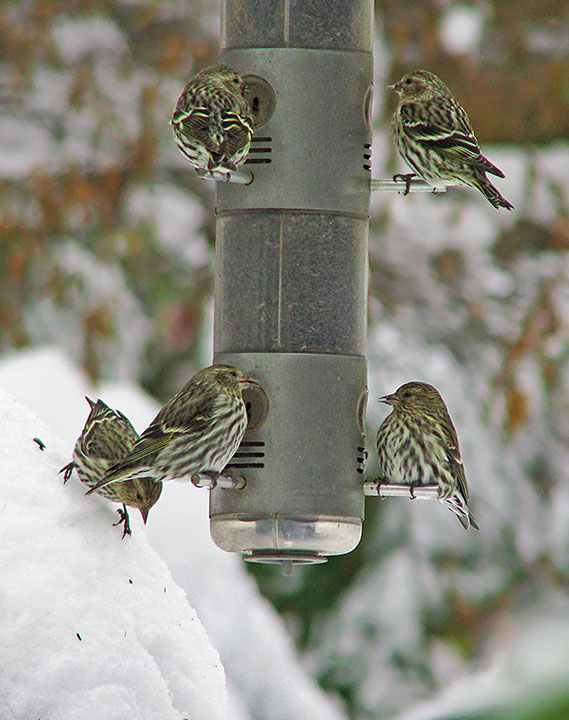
(144, 514)
(396, 86)
(247, 382)
(387, 399)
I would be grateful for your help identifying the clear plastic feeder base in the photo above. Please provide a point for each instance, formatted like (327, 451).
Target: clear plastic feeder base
(278, 540)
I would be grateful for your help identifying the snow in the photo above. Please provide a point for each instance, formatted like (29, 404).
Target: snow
(461, 29)
(529, 658)
(92, 626)
(175, 217)
(254, 648)
(94, 286)
(99, 627)
(35, 148)
(75, 38)
(144, 653)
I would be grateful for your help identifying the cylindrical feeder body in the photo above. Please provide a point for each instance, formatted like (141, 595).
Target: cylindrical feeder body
(291, 277)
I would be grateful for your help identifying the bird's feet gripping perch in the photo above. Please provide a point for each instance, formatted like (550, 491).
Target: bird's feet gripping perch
(407, 179)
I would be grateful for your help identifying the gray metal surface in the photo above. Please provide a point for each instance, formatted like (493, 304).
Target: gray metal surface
(304, 464)
(291, 277)
(291, 282)
(333, 24)
(398, 186)
(311, 154)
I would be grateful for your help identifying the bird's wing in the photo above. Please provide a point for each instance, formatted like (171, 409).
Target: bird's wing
(443, 124)
(154, 439)
(232, 121)
(149, 444)
(454, 455)
(238, 130)
(196, 125)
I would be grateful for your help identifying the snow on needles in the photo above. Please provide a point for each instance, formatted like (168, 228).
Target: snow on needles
(92, 626)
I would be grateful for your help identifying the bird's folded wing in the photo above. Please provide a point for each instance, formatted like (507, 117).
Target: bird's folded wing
(196, 125)
(454, 138)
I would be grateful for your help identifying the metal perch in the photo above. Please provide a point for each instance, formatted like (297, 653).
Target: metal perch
(240, 177)
(384, 489)
(225, 482)
(415, 185)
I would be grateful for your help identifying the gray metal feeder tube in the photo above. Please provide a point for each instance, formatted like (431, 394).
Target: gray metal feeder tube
(291, 277)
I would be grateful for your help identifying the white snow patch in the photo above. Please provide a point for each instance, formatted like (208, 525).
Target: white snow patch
(92, 625)
(529, 657)
(93, 285)
(24, 146)
(461, 28)
(177, 216)
(256, 651)
(75, 38)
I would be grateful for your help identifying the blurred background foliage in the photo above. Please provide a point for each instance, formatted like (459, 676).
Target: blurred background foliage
(106, 247)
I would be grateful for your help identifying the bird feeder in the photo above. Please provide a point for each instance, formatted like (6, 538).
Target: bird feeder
(291, 278)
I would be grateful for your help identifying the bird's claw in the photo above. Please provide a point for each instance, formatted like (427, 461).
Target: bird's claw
(379, 482)
(123, 518)
(407, 178)
(67, 470)
(412, 491)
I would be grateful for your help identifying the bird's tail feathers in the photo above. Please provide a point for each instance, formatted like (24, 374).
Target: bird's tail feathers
(458, 505)
(489, 167)
(492, 194)
(472, 521)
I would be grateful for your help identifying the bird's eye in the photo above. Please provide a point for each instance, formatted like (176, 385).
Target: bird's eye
(408, 81)
(236, 80)
(407, 394)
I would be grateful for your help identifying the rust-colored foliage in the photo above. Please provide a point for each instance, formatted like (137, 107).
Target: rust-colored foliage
(512, 89)
(539, 324)
(101, 154)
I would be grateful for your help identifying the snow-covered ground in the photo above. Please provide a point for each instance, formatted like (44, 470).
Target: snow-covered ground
(96, 627)
(92, 626)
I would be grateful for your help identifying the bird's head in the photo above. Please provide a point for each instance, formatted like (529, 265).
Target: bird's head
(141, 493)
(230, 378)
(413, 396)
(230, 78)
(419, 85)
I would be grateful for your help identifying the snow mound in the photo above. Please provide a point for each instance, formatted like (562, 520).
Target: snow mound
(92, 625)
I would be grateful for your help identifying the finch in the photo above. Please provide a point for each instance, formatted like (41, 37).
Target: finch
(107, 438)
(417, 445)
(434, 136)
(212, 120)
(197, 431)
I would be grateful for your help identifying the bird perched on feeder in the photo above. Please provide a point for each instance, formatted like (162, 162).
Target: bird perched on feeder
(107, 438)
(212, 120)
(417, 445)
(435, 138)
(197, 431)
